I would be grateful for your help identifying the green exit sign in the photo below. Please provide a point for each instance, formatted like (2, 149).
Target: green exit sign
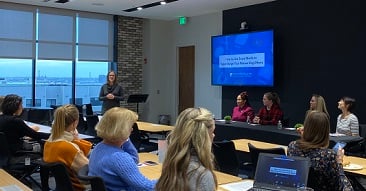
(182, 20)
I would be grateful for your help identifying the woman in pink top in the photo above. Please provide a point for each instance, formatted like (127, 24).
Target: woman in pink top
(243, 111)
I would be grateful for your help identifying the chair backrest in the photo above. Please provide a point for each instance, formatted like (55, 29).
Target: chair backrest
(4, 150)
(254, 152)
(226, 158)
(135, 136)
(82, 126)
(96, 182)
(362, 130)
(61, 175)
(91, 122)
(89, 109)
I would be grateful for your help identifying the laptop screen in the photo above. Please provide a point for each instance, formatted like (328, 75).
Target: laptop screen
(281, 172)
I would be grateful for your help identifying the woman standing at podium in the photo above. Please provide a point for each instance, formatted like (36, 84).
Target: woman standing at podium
(110, 93)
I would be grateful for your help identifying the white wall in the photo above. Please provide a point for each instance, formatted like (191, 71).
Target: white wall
(160, 76)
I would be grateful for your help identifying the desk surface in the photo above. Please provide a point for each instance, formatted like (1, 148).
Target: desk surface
(356, 160)
(242, 144)
(8, 180)
(151, 127)
(154, 172)
(47, 129)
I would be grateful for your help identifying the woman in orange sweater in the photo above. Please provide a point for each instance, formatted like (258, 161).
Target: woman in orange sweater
(65, 146)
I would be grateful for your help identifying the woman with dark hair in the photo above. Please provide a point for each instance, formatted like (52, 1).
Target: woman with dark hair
(110, 93)
(347, 122)
(243, 111)
(13, 126)
(271, 112)
(326, 165)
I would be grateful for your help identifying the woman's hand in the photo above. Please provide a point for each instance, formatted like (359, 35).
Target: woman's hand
(256, 119)
(75, 133)
(110, 96)
(300, 130)
(35, 127)
(340, 155)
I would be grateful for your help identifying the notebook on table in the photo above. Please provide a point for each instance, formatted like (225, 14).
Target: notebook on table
(280, 172)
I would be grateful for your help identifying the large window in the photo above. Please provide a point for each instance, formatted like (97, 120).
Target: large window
(53, 56)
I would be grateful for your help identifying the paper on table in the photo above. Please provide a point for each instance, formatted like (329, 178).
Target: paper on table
(238, 186)
(10, 188)
(352, 167)
(336, 134)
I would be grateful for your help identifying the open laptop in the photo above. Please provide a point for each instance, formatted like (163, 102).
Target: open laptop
(280, 172)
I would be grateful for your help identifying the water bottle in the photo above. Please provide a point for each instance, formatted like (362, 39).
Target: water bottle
(248, 119)
(84, 110)
(279, 124)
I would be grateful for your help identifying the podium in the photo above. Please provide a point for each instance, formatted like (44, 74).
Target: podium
(137, 98)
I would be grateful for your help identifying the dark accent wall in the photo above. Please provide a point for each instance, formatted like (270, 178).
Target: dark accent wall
(320, 47)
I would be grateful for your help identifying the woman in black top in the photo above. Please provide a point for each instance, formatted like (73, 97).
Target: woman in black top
(13, 126)
(111, 93)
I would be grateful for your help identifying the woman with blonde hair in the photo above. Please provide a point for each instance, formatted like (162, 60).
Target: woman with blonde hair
(65, 146)
(189, 161)
(326, 164)
(317, 103)
(115, 158)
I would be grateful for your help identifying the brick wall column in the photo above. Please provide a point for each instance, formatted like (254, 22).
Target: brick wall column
(129, 58)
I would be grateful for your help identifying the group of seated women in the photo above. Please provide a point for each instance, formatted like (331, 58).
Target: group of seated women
(189, 162)
(271, 113)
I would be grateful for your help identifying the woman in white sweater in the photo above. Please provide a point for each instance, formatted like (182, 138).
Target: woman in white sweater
(347, 122)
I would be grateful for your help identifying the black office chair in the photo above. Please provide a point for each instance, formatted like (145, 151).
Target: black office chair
(40, 116)
(254, 153)
(142, 140)
(82, 126)
(91, 122)
(357, 148)
(96, 182)
(19, 170)
(60, 173)
(226, 158)
(89, 109)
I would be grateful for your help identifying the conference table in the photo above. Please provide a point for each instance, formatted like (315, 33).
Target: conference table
(154, 128)
(266, 133)
(242, 145)
(154, 171)
(150, 127)
(10, 183)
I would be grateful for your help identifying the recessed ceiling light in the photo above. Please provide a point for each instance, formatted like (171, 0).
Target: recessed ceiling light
(149, 5)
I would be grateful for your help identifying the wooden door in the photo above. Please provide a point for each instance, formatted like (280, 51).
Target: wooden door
(186, 77)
